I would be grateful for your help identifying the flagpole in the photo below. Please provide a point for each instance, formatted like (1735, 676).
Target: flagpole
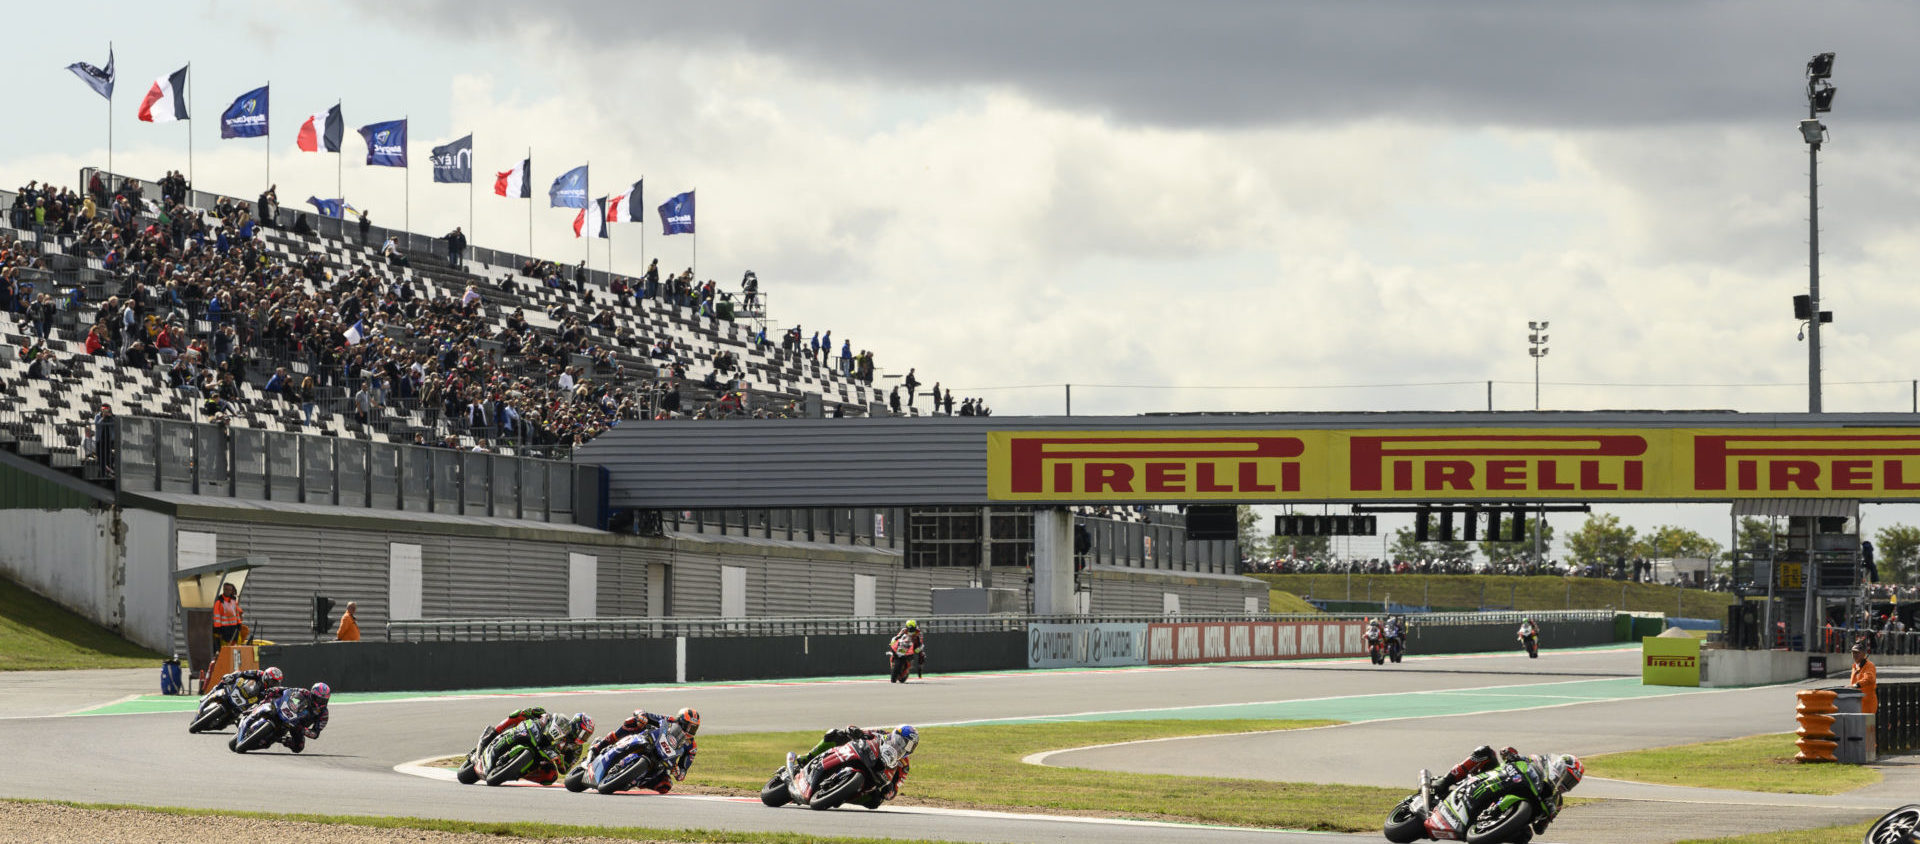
(191, 184)
(269, 134)
(586, 196)
(471, 234)
(339, 168)
(109, 180)
(526, 186)
(406, 189)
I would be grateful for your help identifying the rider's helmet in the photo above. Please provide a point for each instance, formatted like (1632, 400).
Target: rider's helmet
(272, 676)
(909, 739)
(582, 727)
(1565, 771)
(913, 625)
(688, 719)
(322, 692)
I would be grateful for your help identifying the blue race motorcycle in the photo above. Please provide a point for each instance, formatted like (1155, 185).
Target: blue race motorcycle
(267, 722)
(643, 757)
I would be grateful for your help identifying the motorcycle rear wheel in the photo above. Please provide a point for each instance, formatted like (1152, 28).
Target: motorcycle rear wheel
(775, 793)
(843, 785)
(1497, 827)
(623, 779)
(1403, 824)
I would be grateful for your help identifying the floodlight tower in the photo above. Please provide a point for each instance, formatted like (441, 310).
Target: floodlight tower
(1537, 347)
(1807, 309)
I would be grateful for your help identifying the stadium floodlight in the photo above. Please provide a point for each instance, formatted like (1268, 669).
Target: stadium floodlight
(1820, 66)
(1813, 131)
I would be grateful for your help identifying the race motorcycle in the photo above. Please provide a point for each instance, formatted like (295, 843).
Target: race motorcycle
(1376, 646)
(224, 704)
(1530, 641)
(1394, 647)
(856, 772)
(269, 721)
(510, 755)
(643, 757)
(1524, 807)
(900, 657)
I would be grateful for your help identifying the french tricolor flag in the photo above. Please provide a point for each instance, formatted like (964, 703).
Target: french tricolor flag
(514, 183)
(166, 101)
(322, 131)
(357, 334)
(592, 220)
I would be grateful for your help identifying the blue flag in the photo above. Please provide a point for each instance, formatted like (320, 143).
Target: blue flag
(570, 190)
(676, 215)
(101, 81)
(247, 117)
(454, 162)
(386, 143)
(327, 207)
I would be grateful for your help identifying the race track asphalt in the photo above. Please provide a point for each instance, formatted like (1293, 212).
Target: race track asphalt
(149, 759)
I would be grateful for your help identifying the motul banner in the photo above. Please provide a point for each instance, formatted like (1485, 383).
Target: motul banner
(1467, 464)
(1237, 641)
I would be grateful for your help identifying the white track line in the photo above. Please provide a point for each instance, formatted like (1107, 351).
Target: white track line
(419, 768)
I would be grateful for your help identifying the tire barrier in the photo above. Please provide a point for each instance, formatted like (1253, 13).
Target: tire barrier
(1815, 714)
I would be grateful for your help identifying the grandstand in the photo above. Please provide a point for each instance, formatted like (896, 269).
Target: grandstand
(290, 297)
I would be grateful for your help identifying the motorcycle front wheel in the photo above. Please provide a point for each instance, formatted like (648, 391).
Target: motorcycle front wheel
(467, 775)
(1405, 825)
(577, 780)
(839, 787)
(1502, 826)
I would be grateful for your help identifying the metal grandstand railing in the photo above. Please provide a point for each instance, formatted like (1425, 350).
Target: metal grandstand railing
(528, 629)
(163, 455)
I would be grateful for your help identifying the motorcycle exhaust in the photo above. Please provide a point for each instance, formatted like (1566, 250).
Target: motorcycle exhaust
(1426, 791)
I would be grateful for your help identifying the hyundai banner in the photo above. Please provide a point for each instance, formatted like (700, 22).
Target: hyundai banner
(1085, 645)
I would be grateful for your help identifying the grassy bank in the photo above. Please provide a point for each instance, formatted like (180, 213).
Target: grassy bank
(36, 633)
(1823, 835)
(1279, 602)
(981, 768)
(498, 831)
(1754, 763)
(1496, 591)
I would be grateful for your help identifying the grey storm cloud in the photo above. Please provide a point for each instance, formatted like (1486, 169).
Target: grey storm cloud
(1239, 63)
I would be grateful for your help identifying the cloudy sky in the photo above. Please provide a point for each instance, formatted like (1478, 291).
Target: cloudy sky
(1174, 206)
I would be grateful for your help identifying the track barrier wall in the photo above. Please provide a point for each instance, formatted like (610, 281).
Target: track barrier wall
(447, 665)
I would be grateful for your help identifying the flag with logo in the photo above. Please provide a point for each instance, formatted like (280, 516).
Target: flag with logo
(247, 117)
(386, 143)
(676, 216)
(626, 207)
(515, 183)
(592, 220)
(322, 131)
(166, 101)
(453, 162)
(101, 81)
(570, 190)
(334, 208)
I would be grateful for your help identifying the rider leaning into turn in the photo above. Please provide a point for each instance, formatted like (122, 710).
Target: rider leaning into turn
(1563, 772)
(641, 721)
(912, 631)
(903, 740)
(265, 680)
(314, 706)
(574, 729)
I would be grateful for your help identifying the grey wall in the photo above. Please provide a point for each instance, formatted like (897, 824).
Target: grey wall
(108, 565)
(432, 666)
(1482, 638)
(942, 460)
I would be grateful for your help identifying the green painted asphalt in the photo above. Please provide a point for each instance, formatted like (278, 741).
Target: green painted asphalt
(1376, 707)
(188, 703)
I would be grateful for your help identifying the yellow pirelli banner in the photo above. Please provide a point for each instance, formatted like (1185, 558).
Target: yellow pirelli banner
(1469, 464)
(1669, 662)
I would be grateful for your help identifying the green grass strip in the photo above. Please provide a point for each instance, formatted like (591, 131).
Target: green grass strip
(37, 634)
(1755, 763)
(519, 829)
(981, 768)
(1824, 835)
